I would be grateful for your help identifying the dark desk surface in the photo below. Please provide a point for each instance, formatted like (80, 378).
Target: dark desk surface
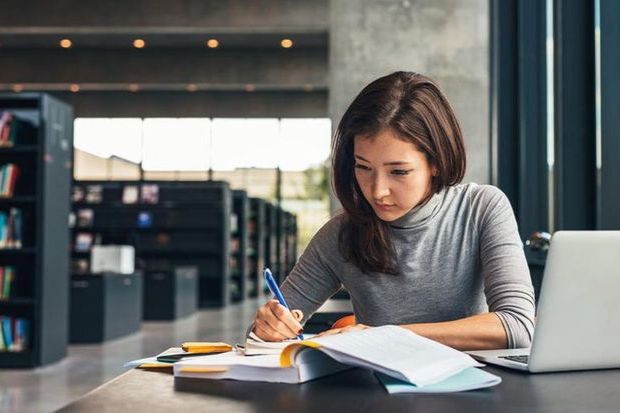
(353, 391)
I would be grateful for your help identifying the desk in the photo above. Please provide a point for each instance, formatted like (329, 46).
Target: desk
(354, 390)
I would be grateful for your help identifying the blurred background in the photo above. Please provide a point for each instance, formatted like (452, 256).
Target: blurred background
(188, 144)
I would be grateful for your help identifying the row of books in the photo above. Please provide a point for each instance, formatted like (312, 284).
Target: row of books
(11, 229)
(14, 333)
(7, 279)
(13, 129)
(132, 194)
(8, 179)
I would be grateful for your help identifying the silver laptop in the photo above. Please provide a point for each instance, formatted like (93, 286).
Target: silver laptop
(578, 317)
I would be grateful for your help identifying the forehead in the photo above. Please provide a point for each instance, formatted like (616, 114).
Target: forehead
(385, 144)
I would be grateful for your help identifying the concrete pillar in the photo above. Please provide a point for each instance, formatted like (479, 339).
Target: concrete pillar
(444, 39)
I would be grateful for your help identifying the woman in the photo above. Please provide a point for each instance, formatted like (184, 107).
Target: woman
(413, 247)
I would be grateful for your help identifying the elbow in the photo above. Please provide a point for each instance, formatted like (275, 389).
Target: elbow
(519, 328)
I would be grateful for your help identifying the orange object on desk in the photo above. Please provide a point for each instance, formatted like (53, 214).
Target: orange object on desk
(347, 320)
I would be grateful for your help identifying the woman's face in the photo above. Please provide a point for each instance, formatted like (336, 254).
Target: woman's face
(393, 174)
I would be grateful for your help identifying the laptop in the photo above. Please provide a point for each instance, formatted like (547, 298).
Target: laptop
(578, 317)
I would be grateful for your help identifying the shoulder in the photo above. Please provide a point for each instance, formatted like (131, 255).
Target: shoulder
(487, 203)
(482, 196)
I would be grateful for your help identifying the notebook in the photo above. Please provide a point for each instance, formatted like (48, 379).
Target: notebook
(391, 350)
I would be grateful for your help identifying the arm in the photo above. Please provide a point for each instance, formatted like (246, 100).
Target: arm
(507, 284)
(479, 332)
(311, 282)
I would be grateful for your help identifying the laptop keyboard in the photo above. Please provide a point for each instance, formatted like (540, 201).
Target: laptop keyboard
(518, 359)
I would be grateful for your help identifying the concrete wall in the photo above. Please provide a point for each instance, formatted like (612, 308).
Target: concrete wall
(444, 39)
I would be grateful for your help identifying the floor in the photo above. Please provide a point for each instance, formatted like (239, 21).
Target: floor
(88, 366)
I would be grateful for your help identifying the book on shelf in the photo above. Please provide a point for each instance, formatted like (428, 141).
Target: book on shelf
(150, 193)
(11, 229)
(14, 130)
(8, 179)
(83, 241)
(85, 217)
(14, 334)
(7, 281)
(94, 194)
(77, 194)
(130, 194)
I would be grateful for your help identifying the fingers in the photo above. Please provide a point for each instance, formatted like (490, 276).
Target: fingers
(298, 314)
(266, 332)
(276, 323)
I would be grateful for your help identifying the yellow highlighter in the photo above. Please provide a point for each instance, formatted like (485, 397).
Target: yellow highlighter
(206, 347)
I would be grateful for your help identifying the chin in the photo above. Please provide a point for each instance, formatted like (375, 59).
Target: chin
(388, 216)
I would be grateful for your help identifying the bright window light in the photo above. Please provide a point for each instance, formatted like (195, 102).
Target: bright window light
(176, 144)
(303, 143)
(244, 143)
(195, 144)
(121, 137)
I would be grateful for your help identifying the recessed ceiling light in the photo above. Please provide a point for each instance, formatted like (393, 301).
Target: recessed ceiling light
(17, 88)
(139, 43)
(308, 88)
(286, 43)
(66, 43)
(133, 87)
(74, 87)
(213, 43)
(191, 87)
(250, 88)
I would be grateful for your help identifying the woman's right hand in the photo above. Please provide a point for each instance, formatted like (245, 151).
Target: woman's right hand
(274, 322)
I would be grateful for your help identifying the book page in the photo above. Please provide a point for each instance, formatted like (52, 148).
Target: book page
(397, 352)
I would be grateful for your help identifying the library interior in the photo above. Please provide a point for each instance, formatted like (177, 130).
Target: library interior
(166, 166)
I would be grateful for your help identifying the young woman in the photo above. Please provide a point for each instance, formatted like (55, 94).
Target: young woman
(414, 247)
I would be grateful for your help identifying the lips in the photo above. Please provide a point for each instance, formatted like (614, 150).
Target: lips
(384, 206)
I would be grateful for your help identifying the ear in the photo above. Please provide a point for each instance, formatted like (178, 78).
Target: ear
(435, 171)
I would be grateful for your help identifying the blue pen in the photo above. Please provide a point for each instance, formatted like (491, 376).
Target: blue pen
(273, 287)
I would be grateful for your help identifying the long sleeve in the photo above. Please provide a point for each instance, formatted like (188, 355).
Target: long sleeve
(313, 279)
(507, 283)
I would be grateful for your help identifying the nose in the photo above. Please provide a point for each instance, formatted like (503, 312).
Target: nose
(380, 187)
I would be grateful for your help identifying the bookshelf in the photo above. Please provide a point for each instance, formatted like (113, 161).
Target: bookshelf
(36, 138)
(239, 246)
(256, 235)
(173, 225)
(271, 241)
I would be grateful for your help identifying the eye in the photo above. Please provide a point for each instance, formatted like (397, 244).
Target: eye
(401, 172)
(362, 167)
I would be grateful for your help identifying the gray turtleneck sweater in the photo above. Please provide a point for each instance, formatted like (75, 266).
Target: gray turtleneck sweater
(459, 255)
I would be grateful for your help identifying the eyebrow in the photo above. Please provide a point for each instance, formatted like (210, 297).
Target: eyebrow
(386, 163)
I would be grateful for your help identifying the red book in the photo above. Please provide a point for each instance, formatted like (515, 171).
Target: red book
(13, 174)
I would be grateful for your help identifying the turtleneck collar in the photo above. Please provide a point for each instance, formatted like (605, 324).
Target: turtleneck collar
(420, 214)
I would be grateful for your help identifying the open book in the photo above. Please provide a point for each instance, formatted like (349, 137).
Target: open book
(390, 350)
(254, 345)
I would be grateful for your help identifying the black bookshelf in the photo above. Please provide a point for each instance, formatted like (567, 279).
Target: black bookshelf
(42, 146)
(239, 247)
(281, 243)
(171, 224)
(257, 235)
(271, 241)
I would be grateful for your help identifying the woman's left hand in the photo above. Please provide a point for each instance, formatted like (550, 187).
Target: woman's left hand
(346, 329)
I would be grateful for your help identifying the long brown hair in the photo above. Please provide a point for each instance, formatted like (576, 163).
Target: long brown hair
(413, 106)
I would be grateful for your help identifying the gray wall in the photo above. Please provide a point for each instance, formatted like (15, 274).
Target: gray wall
(444, 39)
